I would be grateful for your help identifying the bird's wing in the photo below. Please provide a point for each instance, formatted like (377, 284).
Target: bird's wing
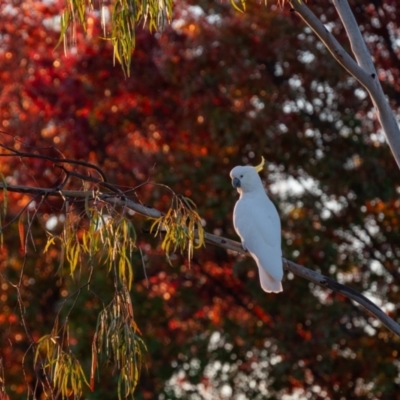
(257, 223)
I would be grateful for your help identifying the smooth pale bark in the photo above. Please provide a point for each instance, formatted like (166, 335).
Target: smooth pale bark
(363, 70)
(358, 46)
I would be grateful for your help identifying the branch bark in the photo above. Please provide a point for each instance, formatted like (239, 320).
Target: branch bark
(219, 241)
(363, 70)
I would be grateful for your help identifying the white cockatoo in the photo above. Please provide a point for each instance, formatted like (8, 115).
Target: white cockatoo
(257, 222)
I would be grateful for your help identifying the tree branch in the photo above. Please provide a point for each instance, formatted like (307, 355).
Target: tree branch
(364, 72)
(219, 241)
(19, 154)
(318, 279)
(358, 46)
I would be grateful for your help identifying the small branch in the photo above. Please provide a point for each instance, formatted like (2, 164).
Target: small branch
(330, 42)
(79, 194)
(358, 46)
(86, 178)
(367, 78)
(16, 153)
(363, 57)
(219, 241)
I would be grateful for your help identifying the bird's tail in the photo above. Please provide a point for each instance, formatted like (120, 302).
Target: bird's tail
(269, 284)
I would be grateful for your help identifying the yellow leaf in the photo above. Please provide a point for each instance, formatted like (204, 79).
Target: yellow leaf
(50, 241)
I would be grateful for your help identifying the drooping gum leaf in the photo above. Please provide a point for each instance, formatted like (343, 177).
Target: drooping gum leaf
(50, 241)
(21, 232)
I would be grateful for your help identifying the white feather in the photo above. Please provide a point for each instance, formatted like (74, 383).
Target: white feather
(257, 222)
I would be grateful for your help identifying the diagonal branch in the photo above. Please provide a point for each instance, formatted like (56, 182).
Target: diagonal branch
(358, 46)
(318, 279)
(219, 241)
(364, 72)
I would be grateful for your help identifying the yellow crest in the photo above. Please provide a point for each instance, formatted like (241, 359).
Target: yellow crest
(260, 167)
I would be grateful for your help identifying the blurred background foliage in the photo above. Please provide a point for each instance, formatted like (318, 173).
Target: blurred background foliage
(218, 88)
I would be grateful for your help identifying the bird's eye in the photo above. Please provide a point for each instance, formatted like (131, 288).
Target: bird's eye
(241, 176)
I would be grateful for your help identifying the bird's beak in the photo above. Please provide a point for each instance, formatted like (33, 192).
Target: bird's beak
(236, 183)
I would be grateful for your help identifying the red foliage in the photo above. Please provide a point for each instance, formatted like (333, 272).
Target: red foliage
(216, 89)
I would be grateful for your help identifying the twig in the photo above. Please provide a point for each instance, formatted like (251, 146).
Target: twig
(16, 153)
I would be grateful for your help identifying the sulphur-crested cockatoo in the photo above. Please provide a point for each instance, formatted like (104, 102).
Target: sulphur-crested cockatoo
(257, 223)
